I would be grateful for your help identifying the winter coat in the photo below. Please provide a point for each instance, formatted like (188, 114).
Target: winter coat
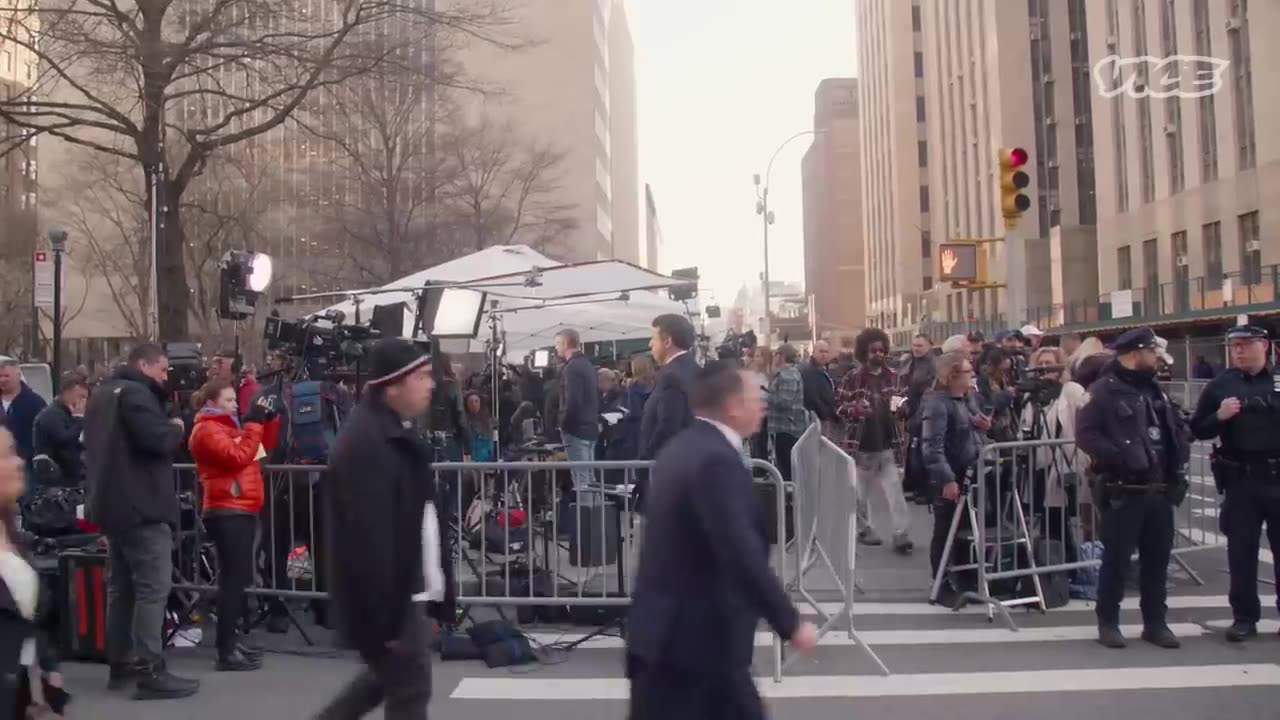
(226, 458)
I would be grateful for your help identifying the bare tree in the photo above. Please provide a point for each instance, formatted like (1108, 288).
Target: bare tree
(506, 189)
(19, 229)
(165, 85)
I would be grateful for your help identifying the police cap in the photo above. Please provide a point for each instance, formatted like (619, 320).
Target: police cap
(1136, 339)
(1247, 332)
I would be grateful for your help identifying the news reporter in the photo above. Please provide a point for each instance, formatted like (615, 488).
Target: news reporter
(226, 457)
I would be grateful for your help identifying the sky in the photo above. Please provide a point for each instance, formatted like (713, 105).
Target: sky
(721, 84)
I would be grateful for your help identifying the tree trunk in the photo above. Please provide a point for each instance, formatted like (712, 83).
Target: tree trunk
(172, 289)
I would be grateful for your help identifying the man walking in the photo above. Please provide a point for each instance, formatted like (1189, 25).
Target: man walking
(129, 447)
(383, 534)
(667, 411)
(579, 412)
(704, 580)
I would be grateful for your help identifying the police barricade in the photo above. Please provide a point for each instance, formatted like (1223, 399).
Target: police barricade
(1027, 532)
(522, 538)
(825, 502)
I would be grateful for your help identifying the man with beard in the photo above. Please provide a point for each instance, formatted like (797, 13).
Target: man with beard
(866, 402)
(1140, 447)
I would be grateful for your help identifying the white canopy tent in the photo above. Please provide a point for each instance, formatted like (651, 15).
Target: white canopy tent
(586, 297)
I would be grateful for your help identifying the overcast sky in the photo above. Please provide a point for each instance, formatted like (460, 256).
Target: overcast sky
(721, 84)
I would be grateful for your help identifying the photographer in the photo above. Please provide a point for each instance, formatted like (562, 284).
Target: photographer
(1049, 413)
(949, 449)
(996, 393)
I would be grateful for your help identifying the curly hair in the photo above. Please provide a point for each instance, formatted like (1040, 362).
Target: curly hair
(867, 338)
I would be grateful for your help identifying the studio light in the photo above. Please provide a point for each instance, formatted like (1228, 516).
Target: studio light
(260, 273)
(244, 277)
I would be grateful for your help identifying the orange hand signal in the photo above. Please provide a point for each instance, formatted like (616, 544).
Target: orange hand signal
(949, 262)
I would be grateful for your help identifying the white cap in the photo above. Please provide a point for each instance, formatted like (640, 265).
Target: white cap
(1029, 330)
(1162, 350)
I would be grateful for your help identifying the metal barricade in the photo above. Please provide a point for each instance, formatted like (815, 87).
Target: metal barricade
(826, 520)
(1027, 522)
(518, 538)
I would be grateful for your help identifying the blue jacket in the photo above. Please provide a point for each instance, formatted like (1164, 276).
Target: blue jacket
(21, 419)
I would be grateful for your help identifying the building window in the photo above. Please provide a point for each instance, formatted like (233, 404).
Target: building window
(1207, 110)
(1173, 104)
(926, 244)
(1242, 84)
(915, 18)
(919, 62)
(1211, 240)
(1145, 160)
(924, 198)
(922, 150)
(1124, 268)
(1119, 140)
(1250, 249)
(920, 115)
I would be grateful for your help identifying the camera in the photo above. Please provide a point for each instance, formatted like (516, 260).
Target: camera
(1035, 385)
(735, 345)
(187, 371)
(322, 342)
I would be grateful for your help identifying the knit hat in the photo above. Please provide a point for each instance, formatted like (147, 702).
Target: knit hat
(393, 359)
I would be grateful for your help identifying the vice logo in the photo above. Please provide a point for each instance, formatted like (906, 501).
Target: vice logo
(1184, 76)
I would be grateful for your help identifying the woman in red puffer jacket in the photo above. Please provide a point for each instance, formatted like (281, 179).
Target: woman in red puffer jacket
(226, 457)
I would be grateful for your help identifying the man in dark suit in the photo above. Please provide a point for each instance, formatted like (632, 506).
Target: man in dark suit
(667, 411)
(704, 580)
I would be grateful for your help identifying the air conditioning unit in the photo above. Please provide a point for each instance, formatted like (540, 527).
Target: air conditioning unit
(1234, 24)
(1253, 246)
(1076, 35)
(1035, 33)
(1170, 129)
(1082, 119)
(1052, 163)
(1181, 261)
(1112, 42)
(1047, 77)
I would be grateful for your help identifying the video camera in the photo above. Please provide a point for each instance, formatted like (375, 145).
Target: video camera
(187, 370)
(735, 345)
(321, 341)
(1035, 385)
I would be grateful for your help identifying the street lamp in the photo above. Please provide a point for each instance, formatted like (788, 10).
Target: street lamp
(58, 244)
(766, 216)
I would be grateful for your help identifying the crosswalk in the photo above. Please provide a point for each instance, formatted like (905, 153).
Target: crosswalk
(936, 651)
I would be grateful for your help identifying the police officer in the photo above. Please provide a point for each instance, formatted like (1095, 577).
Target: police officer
(1242, 409)
(1140, 446)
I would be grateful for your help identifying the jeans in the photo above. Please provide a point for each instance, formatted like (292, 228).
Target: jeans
(233, 536)
(400, 679)
(1143, 521)
(582, 450)
(140, 575)
(880, 480)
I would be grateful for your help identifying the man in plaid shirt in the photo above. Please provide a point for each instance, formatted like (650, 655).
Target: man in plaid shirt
(787, 417)
(866, 402)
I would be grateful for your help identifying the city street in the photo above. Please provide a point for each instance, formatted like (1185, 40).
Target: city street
(943, 663)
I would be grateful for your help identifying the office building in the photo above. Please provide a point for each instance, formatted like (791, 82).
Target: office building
(19, 196)
(652, 232)
(894, 153)
(572, 87)
(1189, 186)
(1002, 76)
(834, 270)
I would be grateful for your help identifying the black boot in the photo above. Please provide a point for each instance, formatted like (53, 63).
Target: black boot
(1109, 636)
(236, 661)
(250, 650)
(1161, 636)
(1242, 630)
(159, 684)
(122, 675)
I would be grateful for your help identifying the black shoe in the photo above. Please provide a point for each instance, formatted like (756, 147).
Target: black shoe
(278, 624)
(160, 684)
(1161, 636)
(237, 661)
(122, 675)
(1109, 636)
(1242, 630)
(250, 650)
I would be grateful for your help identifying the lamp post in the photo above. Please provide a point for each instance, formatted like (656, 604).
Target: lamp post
(58, 244)
(766, 216)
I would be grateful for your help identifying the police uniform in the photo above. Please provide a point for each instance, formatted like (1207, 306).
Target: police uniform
(1139, 445)
(1246, 467)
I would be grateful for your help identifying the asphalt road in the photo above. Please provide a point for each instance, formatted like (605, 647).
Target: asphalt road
(943, 663)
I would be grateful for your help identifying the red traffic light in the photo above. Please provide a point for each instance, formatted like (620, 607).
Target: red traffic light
(1018, 157)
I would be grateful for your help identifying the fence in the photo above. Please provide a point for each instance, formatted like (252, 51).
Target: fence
(1027, 524)
(522, 539)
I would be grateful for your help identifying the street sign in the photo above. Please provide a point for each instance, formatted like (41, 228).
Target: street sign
(959, 262)
(42, 280)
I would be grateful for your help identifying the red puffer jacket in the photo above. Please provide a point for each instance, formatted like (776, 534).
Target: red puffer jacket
(226, 459)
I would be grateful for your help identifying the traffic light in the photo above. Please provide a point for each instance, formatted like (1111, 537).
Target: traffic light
(1013, 184)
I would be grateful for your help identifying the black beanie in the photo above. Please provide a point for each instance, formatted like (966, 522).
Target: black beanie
(393, 359)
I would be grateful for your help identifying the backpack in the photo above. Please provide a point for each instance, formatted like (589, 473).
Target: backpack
(313, 423)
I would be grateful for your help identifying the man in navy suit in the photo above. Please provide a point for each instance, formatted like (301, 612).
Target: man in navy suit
(704, 580)
(667, 411)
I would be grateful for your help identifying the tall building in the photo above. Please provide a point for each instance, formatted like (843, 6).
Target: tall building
(835, 273)
(563, 88)
(18, 189)
(1190, 186)
(652, 232)
(999, 75)
(896, 226)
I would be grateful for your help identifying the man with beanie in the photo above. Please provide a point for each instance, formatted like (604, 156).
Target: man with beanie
(380, 498)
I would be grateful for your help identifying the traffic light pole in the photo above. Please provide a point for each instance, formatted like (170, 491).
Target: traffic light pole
(1015, 247)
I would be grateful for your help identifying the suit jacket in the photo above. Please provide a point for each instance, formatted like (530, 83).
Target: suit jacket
(704, 580)
(667, 411)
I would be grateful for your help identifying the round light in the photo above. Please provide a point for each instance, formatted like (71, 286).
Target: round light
(260, 273)
(1017, 157)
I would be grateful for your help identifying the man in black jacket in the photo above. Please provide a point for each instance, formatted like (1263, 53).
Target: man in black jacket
(819, 388)
(579, 418)
(129, 448)
(704, 580)
(379, 487)
(20, 404)
(1140, 446)
(667, 411)
(58, 430)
